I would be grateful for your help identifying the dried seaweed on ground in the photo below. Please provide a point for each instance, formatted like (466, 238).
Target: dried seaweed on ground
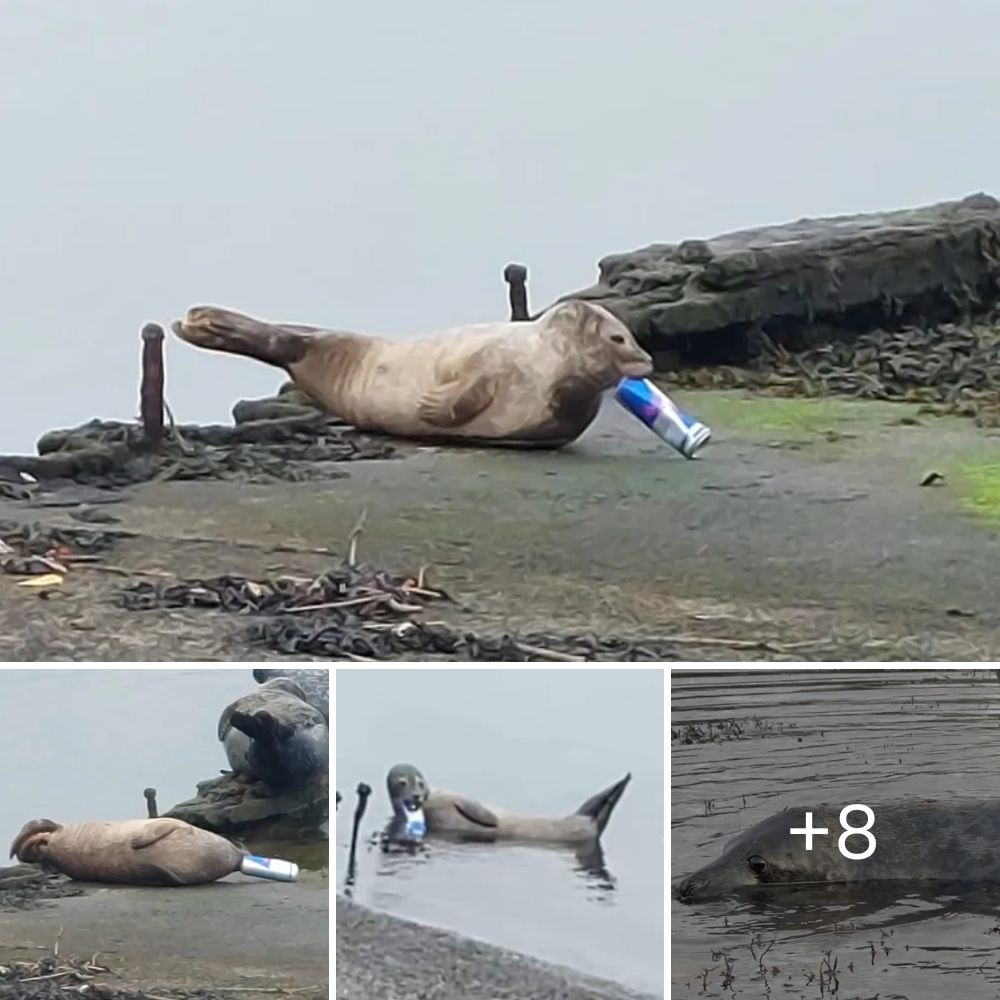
(363, 613)
(54, 977)
(303, 445)
(340, 638)
(23, 887)
(949, 369)
(36, 549)
(367, 593)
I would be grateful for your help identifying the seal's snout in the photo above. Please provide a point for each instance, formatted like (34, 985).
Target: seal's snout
(638, 366)
(689, 888)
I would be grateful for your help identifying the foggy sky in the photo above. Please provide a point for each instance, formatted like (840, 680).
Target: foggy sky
(374, 165)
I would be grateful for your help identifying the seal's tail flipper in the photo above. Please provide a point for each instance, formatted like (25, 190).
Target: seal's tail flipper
(600, 806)
(27, 843)
(261, 726)
(218, 329)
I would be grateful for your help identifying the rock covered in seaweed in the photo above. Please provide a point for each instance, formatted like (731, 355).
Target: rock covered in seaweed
(230, 804)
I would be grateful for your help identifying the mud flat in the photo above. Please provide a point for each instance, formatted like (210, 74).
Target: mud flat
(381, 957)
(253, 937)
(803, 532)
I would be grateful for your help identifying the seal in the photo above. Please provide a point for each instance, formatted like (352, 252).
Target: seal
(448, 813)
(921, 841)
(313, 683)
(275, 735)
(133, 852)
(535, 384)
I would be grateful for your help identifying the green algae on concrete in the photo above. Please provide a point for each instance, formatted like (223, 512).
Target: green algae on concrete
(789, 416)
(978, 484)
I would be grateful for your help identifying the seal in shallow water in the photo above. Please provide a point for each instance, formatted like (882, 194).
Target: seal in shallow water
(274, 735)
(534, 384)
(921, 841)
(448, 813)
(134, 852)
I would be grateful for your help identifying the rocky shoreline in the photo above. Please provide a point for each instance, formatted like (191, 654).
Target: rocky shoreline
(381, 957)
(23, 887)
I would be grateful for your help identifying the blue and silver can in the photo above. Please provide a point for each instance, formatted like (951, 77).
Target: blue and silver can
(416, 825)
(272, 868)
(662, 416)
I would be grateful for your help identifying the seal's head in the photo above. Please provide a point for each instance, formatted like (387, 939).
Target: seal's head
(407, 787)
(30, 844)
(604, 340)
(768, 855)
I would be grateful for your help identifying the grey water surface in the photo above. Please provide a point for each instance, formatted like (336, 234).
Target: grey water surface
(82, 744)
(839, 737)
(534, 741)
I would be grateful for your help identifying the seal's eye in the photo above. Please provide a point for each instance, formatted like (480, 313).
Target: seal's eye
(617, 338)
(756, 864)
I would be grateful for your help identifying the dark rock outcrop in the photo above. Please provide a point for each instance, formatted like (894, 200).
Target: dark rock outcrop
(805, 282)
(231, 805)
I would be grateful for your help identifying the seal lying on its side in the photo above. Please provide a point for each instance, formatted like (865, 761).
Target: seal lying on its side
(922, 841)
(445, 812)
(134, 852)
(535, 384)
(274, 735)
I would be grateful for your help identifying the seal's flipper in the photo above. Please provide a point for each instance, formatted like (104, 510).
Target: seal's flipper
(225, 721)
(20, 847)
(261, 726)
(456, 402)
(153, 831)
(279, 344)
(476, 812)
(150, 874)
(600, 806)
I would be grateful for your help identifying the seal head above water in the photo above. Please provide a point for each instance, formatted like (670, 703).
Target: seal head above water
(951, 841)
(453, 814)
(134, 852)
(531, 384)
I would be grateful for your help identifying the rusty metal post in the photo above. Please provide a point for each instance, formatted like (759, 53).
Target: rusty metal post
(516, 275)
(151, 387)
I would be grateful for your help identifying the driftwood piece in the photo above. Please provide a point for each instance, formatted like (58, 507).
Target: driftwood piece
(709, 300)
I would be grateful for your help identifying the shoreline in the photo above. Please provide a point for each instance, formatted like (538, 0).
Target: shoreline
(383, 957)
(237, 933)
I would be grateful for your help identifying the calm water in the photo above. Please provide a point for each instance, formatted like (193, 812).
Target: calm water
(832, 737)
(533, 741)
(86, 742)
(309, 161)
